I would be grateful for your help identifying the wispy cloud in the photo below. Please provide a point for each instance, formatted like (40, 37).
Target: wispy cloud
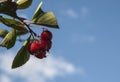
(84, 11)
(35, 70)
(4, 78)
(70, 13)
(74, 13)
(78, 38)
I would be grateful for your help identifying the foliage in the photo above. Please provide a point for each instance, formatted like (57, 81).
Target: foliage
(18, 26)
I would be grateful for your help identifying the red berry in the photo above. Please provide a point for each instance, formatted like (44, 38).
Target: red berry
(42, 45)
(41, 54)
(37, 46)
(33, 47)
(46, 35)
(49, 45)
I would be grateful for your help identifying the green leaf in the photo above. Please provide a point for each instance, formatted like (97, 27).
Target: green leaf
(23, 4)
(44, 18)
(22, 56)
(19, 33)
(13, 23)
(47, 19)
(8, 8)
(39, 12)
(3, 33)
(9, 40)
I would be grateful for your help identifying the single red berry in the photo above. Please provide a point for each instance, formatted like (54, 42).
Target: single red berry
(41, 54)
(46, 35)
(42, 44)
(33, 47)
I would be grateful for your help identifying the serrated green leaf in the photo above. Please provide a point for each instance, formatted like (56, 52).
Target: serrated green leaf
(3, 33)
(22, 56)
(47, 19)
(23, 4)
(9, 40)
(13, 23)
(8, 8)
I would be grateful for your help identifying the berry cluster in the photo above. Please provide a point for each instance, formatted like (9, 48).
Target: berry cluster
(40, 47)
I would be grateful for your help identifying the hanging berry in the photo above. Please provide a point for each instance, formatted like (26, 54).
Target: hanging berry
(38, 48)
(46, 35)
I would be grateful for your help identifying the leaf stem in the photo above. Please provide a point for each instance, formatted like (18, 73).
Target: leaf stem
(28, 27)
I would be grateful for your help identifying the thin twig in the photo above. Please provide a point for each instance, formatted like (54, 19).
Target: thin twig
(28, 27)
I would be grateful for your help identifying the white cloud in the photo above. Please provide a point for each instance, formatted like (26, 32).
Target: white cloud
(70, 13)
(4, 78)
(35, 70)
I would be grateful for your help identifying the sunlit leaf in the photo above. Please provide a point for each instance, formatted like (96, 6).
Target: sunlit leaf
(9, 40)
(22, 56)
(38, 13)
(8, 8)
(47, 19)
(44, 18)
(13, 23)
(23, 4)
(3, 33)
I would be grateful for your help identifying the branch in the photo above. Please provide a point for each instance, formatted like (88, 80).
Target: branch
(28, 27)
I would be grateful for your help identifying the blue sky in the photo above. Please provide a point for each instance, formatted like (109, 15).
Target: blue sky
(86, 47)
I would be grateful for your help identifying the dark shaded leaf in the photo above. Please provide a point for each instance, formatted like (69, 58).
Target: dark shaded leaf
(19, 33)
(22, 56)
(9, 40)
(8, 8)
(23, 4)
(3, 33)
(13, 23)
